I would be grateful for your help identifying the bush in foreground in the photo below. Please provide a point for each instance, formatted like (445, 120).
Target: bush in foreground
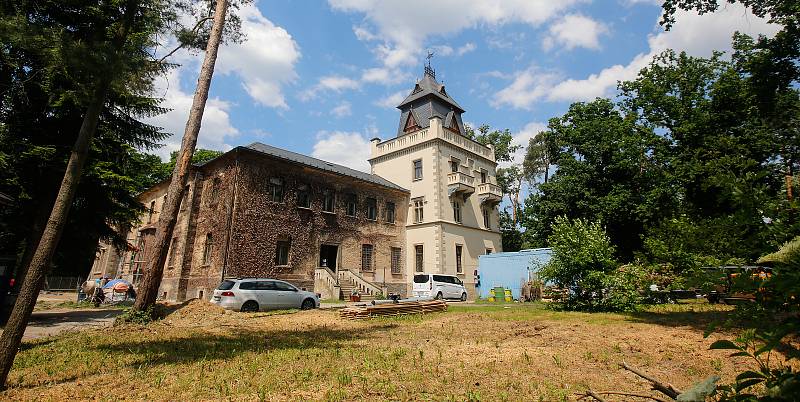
(583, 262)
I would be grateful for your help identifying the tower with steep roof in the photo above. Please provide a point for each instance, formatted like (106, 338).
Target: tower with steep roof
(452, 216)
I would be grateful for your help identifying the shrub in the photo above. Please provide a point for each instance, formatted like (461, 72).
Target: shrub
(583, 263)
(131, 316)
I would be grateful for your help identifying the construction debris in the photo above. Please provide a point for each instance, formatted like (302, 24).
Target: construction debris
(393, 309)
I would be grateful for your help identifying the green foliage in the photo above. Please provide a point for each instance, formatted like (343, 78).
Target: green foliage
(499, 139)
(583, 262)
(608, 171)
(54, 56)
(769, 381)
(163, 171)
(141, 317)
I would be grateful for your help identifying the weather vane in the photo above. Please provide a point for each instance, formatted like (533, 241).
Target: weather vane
(428, 69)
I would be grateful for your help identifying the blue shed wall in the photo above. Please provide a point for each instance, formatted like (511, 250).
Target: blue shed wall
(510, 269)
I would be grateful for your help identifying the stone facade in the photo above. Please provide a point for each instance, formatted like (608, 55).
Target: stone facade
(253, 214)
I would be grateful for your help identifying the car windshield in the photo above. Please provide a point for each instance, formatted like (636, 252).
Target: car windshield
(421, 278)
(226, 285)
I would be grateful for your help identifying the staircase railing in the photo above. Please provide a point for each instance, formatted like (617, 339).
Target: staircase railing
(361, 284)
(327, 282)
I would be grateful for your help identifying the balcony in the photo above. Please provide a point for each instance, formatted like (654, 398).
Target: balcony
(489, 194)
(460, 184)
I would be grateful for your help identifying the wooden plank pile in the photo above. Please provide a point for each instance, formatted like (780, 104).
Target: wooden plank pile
(393, 309)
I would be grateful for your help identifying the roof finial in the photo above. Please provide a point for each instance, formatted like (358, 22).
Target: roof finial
(428, 69)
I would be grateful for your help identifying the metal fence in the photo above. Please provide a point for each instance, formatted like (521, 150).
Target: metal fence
(62, 282)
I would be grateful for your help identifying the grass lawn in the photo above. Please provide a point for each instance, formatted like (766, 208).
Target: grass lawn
(504, 352)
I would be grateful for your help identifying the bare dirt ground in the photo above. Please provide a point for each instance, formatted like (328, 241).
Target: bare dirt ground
(468, 353)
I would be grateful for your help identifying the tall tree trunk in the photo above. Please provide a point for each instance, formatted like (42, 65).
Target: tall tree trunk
(154, 270)
(21, 314)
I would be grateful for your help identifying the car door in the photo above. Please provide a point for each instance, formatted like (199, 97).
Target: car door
(452, 288)
(288, 296)
(267, 295)
(247, 291)
(458, 287)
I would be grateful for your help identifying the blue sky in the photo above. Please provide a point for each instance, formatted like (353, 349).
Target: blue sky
(322, 78)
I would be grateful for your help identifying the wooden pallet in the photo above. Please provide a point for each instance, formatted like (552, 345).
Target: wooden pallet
(393, 309)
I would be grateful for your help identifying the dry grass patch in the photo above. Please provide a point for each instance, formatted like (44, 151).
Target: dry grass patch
(467, 353)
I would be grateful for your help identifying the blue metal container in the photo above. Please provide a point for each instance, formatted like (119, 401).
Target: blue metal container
(510, 270)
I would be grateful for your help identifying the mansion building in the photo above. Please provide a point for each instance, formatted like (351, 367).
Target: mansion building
(429, 205)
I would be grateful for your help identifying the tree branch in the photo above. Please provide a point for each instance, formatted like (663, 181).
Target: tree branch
(666, 389)
(631, 394)
(180, 46)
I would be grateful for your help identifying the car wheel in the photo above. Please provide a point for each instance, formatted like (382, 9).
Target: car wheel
(308, 304)
(463, 297)
(249, 307)
(439, 296)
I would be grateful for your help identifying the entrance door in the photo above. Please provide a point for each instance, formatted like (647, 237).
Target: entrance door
(327, 256)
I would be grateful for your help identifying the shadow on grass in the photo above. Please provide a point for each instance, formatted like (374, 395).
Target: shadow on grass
(212, 346)
(699, 320)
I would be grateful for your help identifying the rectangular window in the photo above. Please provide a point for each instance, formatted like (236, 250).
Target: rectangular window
(172, 244)
(184, 197)
(328, 201)
(390, 212)
(282, 253)
(457, 211)
(303, 197)
(459, 267)
(207, 249)
(419, 256)
(152, 209)
(372, 209)
(396, 258)
(366, 257)
(454, 166)
(486, 221)
(352, 204)
(213, 189)
(275, 189)
(483, 176)
(418, 169)
(418, 212)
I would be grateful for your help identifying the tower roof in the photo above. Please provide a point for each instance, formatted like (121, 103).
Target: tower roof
(428, 86)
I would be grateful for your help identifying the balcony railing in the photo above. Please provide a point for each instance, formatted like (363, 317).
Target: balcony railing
(490, 193)
(460, 183)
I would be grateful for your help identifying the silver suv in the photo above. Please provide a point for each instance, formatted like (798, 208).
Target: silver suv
(260, 294)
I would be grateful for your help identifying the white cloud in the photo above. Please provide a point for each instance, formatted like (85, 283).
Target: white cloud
(383, 75)
(442, 50)
(391, 101)
(216, 130)
(466, 48)
(698, 35)
(527, 87)
(404, 25)
(574, 30)
(264, 61)
(522, 138)
(333, 83)
(342, 110)
(350, 149)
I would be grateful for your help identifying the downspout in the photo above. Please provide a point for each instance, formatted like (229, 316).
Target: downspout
(231, 211)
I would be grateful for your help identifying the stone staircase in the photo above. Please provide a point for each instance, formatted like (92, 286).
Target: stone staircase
(350, 280)
(347, 289)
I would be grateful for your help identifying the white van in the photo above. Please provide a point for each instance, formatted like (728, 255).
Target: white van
(438, 287)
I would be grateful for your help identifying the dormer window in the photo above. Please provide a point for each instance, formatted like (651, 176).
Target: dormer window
(411, 123)
(454, 125)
